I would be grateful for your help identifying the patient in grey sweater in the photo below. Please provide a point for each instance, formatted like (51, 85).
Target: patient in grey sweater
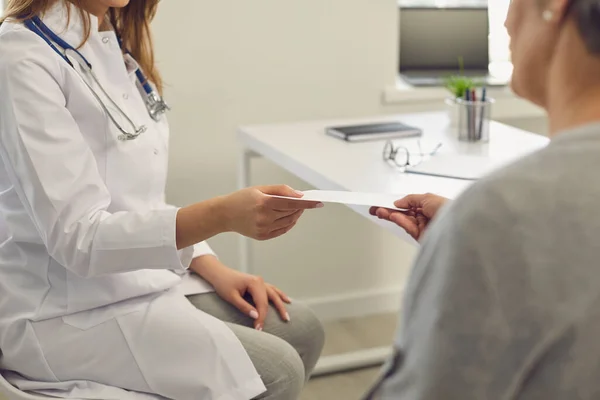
(504, 299)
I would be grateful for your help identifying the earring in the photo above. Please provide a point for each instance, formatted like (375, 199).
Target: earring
(548, 15)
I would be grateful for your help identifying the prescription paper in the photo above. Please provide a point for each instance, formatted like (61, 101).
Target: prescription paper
(458, 166)
(350, 198)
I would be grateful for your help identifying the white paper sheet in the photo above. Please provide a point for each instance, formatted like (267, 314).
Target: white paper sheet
(351, 198)
(459, 166)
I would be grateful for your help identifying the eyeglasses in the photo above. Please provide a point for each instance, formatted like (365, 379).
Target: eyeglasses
(402, 157)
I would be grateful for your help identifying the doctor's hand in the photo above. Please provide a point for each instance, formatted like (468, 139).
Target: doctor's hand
(422, 208)
(253, 213)
(248, 293)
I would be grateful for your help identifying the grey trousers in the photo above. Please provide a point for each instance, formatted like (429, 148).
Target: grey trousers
(284, 353)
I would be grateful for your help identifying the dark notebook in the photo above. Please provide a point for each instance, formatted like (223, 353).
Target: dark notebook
(378, 131)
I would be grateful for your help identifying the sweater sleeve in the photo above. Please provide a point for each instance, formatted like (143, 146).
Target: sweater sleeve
(455, 341)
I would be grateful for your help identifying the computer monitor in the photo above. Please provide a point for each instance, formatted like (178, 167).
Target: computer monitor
(432, 40)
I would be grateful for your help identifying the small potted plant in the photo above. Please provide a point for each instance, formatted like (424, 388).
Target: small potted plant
(457, 85)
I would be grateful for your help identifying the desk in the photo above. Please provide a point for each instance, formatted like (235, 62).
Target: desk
(328, 163)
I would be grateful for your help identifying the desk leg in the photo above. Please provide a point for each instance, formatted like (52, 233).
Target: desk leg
(244, 165)
(354, 360)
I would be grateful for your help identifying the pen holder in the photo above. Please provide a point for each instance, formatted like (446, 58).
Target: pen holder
(474, 120)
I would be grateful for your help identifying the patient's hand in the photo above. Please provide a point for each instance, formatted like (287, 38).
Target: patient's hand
(422, 208)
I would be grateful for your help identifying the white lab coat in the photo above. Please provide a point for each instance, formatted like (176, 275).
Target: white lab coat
(90, 265)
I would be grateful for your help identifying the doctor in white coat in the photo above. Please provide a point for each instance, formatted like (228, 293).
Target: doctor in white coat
(107, 292)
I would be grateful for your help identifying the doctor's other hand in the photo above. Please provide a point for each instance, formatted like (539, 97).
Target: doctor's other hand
(252, 212)
(248, 293)
(421, 209)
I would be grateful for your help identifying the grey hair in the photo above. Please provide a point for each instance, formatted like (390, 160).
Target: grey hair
(586, 14)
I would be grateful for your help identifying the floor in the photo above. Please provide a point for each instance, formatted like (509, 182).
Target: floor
(348, 335)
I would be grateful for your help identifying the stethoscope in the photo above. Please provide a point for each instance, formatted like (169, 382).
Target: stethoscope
(154, 103)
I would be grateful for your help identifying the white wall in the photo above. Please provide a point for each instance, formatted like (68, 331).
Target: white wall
(244, 62)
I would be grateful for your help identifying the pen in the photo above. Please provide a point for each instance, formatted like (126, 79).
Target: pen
(482, 116)
(474, 115)
(468, 105)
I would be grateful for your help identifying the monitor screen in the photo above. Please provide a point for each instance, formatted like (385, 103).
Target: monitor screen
(435, 38)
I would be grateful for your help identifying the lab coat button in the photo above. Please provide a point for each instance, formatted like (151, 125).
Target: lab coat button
(155, 152)
(125, 96)
(105, 40)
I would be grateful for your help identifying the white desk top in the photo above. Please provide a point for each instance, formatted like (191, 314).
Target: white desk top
(332, 164)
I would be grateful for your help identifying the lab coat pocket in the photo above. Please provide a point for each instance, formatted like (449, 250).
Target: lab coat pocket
(89, 319)
(91, 301)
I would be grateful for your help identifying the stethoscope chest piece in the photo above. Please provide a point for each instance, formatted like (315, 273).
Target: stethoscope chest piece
(156, 105)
